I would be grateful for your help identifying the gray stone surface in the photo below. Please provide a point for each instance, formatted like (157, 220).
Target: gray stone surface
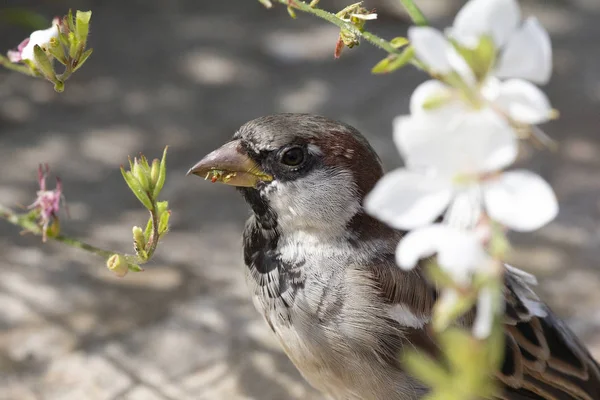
(188, 73)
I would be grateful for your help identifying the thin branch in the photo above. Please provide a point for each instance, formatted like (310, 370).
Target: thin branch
(6, 63)
(30, 226)
(332, 18)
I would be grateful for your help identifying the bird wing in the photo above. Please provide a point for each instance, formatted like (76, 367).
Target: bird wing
(544, 360)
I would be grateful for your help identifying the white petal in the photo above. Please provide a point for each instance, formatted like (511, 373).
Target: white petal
(432, 89)
(524, 102)
(420, 243)
(527, 55)
(407, 200)
(465, 209)
(469, 143)
(431, 47)
(498, 18)
(482, 326)
(459, 252)
(40, 38)
(521, 200)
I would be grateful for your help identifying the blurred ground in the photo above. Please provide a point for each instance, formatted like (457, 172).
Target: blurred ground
(188, 73)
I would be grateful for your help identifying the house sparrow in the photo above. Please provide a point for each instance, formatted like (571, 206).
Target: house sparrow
(322, 272)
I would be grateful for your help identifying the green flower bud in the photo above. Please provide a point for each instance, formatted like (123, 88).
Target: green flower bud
(139, 241)
(140, 173)
(162, 174)
(136, 188)
(154, 171)
(118, 265)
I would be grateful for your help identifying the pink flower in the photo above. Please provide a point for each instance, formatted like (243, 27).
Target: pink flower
(47, 202)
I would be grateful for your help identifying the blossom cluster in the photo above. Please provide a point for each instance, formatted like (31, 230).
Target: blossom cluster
(461, 135)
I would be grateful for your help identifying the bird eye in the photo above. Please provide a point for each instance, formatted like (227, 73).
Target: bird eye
(293, 157)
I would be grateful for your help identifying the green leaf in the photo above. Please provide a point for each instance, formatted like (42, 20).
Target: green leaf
(163, 224)
(70, 21)
(399, 41)
(73, 45)
(82, 25)
(57, 50)
(162, 174)
(161, 207)
(394, 62)
(44, 64)
(136, 188)
(86, 54)
(292, 13)
(148, 231)
(135, 268)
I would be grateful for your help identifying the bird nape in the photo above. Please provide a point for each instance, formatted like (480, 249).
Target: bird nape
(323, 275)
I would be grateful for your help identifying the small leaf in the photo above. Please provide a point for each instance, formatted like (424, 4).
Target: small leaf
(44, 64)
(394, 62)
(57, 50)
(399, 41)
(82, 25)
(163, 224)
(148, 231)
(73, 45)
(292, 13)
(64, 39)
(70, 21)
(136, 188)
(86, 54)
(162, 174)
(135, 268)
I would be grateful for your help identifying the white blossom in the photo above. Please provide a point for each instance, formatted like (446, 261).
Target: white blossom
(455, 168)
(41, 38)
(520, 52)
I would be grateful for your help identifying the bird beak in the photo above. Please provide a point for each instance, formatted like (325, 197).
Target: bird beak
(230, 164)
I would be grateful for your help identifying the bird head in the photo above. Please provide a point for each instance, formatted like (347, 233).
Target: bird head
(304, 171)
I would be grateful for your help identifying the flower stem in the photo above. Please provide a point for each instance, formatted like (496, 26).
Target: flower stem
(414, 12)
(31, 226)
(332, 18)
(6, 63)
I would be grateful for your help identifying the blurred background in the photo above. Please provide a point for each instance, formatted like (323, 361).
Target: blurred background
(188, 73)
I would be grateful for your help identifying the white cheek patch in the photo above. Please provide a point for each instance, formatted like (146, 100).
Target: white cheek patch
(323, 201)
